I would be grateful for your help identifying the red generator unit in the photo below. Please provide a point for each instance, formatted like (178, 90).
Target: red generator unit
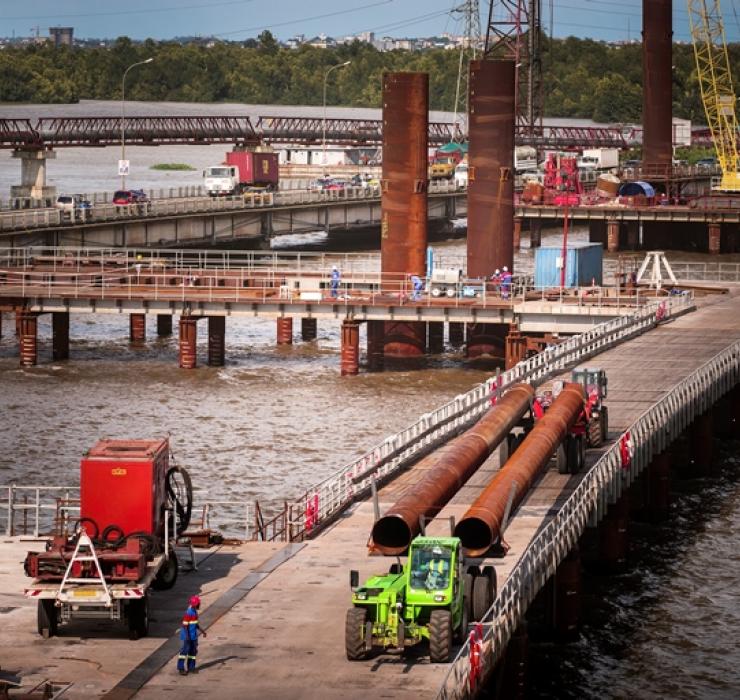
(122, 485)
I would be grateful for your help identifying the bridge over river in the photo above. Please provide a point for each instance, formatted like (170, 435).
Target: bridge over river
(275, 614)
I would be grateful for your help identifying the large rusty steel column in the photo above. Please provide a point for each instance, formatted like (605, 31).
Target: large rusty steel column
(308, 329)
(517, 239)
(285, 330)
(188, 342)
(27, 324)
(657, 82)
(164, 325)
(375, 341)
(490, 186)
(701, 444)
(60, 335)
(137, 328)
(715, 238)
(216, 341)
(516, 347)
(612, 236)
(350, 348)
(403, 231)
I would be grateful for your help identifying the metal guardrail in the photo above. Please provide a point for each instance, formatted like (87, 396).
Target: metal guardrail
(604, 483)
(324, 501)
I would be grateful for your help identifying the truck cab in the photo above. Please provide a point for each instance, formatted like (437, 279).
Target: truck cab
(220, 180)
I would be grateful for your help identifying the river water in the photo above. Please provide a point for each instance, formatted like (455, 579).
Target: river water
(276, 420)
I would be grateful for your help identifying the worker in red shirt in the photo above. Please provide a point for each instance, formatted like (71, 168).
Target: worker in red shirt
(189, 637)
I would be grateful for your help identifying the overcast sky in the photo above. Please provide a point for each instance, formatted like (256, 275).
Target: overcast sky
(241, 19)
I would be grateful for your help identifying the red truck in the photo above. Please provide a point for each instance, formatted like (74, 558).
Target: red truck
(242, 171)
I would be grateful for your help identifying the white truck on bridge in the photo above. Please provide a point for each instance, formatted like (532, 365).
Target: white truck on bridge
(599, 159)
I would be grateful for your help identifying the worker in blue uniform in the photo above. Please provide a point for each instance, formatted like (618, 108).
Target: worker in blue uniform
(189, 631)
(335, 279)
(417, 285)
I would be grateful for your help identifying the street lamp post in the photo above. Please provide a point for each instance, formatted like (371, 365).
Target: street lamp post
(323, 123)
(123, 117)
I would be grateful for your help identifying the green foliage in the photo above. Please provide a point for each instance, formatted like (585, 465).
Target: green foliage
(171, 166)
(582, 78)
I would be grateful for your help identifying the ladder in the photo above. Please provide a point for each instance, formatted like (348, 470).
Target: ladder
(657, 258)
(84, 551)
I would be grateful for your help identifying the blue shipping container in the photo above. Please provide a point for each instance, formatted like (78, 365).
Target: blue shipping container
(583, 265)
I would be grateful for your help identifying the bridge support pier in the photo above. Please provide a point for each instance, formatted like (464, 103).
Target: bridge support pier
(27, 323)
(614, 535)
(567, 596)
(701, 444)
(456, 332)
(535, 233)
(612, 236)
(517, 242)
(60, 335)
(715, 238)
(188, 342)
(216, 341)
(308, 329)
(516, 347)
(33, 185)
(375, 342)
(137, 328)
(350, 362)
(285, 330)
(407, 339)
(164, 325)
(485, 339)
(435, 338)
(659, 487)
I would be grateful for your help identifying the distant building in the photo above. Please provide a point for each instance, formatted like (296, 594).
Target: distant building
(62, 36)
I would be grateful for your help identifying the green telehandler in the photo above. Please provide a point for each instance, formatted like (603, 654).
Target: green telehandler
(432, 597)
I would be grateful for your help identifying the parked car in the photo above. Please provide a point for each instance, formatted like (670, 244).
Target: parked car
(122, 197)
(69, 202)
(706, 163)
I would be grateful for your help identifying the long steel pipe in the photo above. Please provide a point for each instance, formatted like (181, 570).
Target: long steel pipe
(448, 469)
(480, 527)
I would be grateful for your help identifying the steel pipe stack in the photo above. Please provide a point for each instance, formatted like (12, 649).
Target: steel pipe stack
(480, 527)
(448, 469)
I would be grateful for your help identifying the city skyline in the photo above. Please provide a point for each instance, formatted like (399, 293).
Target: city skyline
(238, 20)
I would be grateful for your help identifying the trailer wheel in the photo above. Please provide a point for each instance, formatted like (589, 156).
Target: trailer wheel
(573, 451)
(138, 618)
(561, 459)
(482, 598)
(440, 636)
(436, 292)
(450, 292)
(167, 575)
(490, 573)
(354, 633)
(604, 420)
(468, 579)
(48, 617)
(595, 438)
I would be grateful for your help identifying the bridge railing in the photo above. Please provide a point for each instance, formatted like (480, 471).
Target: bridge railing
(326, 500)
(604, 483)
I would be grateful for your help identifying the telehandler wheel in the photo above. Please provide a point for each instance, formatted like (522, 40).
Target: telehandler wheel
(595, 439)
(440, 636)
(47, 617)
(354, 633)
(138, 618)
(462, 629)
(167, 575)
(482, 597)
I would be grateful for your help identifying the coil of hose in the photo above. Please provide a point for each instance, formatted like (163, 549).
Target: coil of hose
(180, 496)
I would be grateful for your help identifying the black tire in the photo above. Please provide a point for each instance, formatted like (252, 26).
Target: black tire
(490, 573)
(167, 575)
(440, 636)
(114, 530)
(354, 633)
(138, 618)
(462, 629)
(581, 452)
(48, 618)
(89, 521)
(396, 568)
(594, 435)
(561, 459)
(481, 597)
(604, 418)
(468, 579)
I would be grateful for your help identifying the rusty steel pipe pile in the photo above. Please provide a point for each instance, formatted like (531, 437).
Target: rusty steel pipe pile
(448, 469)
(480, 527)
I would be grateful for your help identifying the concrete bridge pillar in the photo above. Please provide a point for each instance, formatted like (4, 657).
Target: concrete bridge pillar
(285, 330)
(567, 596)
(188, 342)
(659, 487)
(27, 337)
(701, 444)
(164, 325)
(308, 329)
(137, 328)
(614, 535)
(715, 238)
(517, 239)
(216, 341)
(375, 343)
(435, 337)
(60, 335)
(33, 176)
(350, 361)
(456, 334)
(516, 347)
(535, 233)
(612, 236)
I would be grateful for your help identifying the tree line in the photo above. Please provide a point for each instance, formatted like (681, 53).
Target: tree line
(582, 78)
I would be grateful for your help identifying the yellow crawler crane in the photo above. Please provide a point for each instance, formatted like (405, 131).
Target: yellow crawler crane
(715, 80)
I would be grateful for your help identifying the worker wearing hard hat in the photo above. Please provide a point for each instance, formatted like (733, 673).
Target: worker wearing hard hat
(505, 282)
(335, 279)
(189, 631)
(439, 568)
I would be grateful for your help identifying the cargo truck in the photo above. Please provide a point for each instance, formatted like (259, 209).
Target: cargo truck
(599, 159)
(242, 171)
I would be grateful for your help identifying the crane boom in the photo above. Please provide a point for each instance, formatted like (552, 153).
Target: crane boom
(715, 81)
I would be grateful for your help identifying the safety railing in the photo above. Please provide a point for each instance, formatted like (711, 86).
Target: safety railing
(227, 516)
(327, 499)
(604, 483)
(36, 510)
